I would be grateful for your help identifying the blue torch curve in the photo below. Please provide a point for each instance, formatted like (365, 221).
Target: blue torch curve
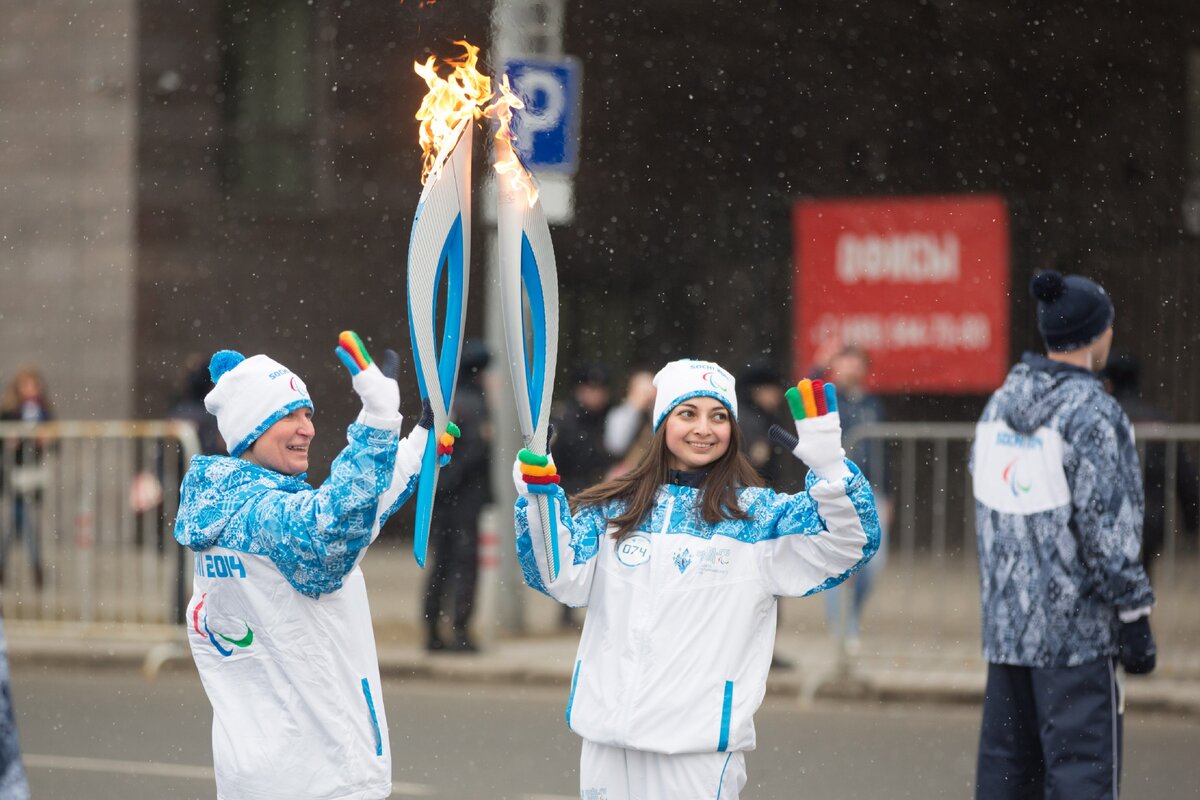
(439, 254)
(529, 303)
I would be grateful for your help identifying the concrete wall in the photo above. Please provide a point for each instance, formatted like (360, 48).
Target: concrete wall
(67, 133)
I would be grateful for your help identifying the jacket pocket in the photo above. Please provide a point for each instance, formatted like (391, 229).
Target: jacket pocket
(574, 685)
(366, 690)
(726, 713)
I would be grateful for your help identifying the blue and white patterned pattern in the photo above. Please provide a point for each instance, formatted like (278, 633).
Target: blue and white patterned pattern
(584, 540)
(13, 783)
(773, 516)
(313, 536)
(1052, 582)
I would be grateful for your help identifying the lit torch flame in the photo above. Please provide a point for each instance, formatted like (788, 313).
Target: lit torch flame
(507, 164)
(465, 94)
(448, 102)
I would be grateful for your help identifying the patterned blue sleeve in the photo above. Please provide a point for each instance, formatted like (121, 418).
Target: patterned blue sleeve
(581, 533)
(1106, 487)
(805, 553)
(314, 537)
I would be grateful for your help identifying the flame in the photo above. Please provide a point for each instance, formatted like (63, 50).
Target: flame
(465, 94)
(449, 101)
(507, 163)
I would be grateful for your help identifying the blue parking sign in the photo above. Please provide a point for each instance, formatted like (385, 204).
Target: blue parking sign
(547, 129)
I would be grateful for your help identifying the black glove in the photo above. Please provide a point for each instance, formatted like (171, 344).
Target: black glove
(426, 420)
(390, 366)
(1138, 651)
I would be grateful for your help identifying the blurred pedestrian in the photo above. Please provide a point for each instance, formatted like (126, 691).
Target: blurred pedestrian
(680, 562)
(1058, 507)
(629, 427)
(146, 491)
(579, 430)
(580, 438)
(464, 488)
(278, 623)
(26, 400)
(849, 367)
(761, 397)
(1122, 378)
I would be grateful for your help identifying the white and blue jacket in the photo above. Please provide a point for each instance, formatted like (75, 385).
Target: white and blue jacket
(279, 623)
(681, 614)
(1058, 515)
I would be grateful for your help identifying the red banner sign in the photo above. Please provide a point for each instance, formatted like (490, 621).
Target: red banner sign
(920, 283)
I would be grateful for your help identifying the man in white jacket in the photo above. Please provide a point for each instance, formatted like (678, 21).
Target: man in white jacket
(279, 624)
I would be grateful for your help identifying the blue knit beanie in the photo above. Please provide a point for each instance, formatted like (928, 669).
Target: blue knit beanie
(1072, 310)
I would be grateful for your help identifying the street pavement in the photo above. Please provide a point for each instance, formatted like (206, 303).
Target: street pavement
(108, 734)
(920, 638)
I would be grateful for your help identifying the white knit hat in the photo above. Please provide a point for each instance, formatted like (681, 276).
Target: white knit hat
(686, 378)
(251, 395)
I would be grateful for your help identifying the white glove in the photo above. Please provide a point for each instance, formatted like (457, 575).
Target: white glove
(818, 439)
(379, 392)
(380, 398)
(819, 445)
(533, 478)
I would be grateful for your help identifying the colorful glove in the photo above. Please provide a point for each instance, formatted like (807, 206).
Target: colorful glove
(1138, 652)
(380, 394)
(534, 474)
(818, 439)
(445, 446)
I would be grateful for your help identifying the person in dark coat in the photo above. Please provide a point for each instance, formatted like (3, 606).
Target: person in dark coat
(464, 488)
(579, 431)
(27, 400)
(762, 397)
(1064, 597)
(582, 459)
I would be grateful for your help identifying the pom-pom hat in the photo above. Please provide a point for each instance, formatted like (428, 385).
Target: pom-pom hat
(1072, 310)
(686, 378)
(251, 395)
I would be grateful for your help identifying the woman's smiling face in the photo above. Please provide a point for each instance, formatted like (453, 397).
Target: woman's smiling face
(698, 433)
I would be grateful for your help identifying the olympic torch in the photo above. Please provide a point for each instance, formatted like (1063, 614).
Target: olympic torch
(439, 256)
(529, 304)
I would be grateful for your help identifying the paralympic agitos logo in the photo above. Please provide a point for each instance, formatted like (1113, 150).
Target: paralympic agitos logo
(245, 641)
(1014, 476)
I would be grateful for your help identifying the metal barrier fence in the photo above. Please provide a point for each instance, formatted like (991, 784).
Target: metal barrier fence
(930, 576)
(86, 510)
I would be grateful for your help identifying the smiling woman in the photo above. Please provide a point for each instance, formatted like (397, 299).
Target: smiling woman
(681, 562)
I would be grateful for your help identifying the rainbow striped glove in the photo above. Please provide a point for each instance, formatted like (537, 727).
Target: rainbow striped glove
(379, 392)
(818, 439)
(534, 474)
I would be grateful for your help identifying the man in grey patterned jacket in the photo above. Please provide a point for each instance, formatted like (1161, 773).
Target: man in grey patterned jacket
(1058, 494)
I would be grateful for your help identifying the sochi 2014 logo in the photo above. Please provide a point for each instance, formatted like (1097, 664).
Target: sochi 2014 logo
(1014, 475)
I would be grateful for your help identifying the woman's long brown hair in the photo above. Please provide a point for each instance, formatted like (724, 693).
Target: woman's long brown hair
(638, 487)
